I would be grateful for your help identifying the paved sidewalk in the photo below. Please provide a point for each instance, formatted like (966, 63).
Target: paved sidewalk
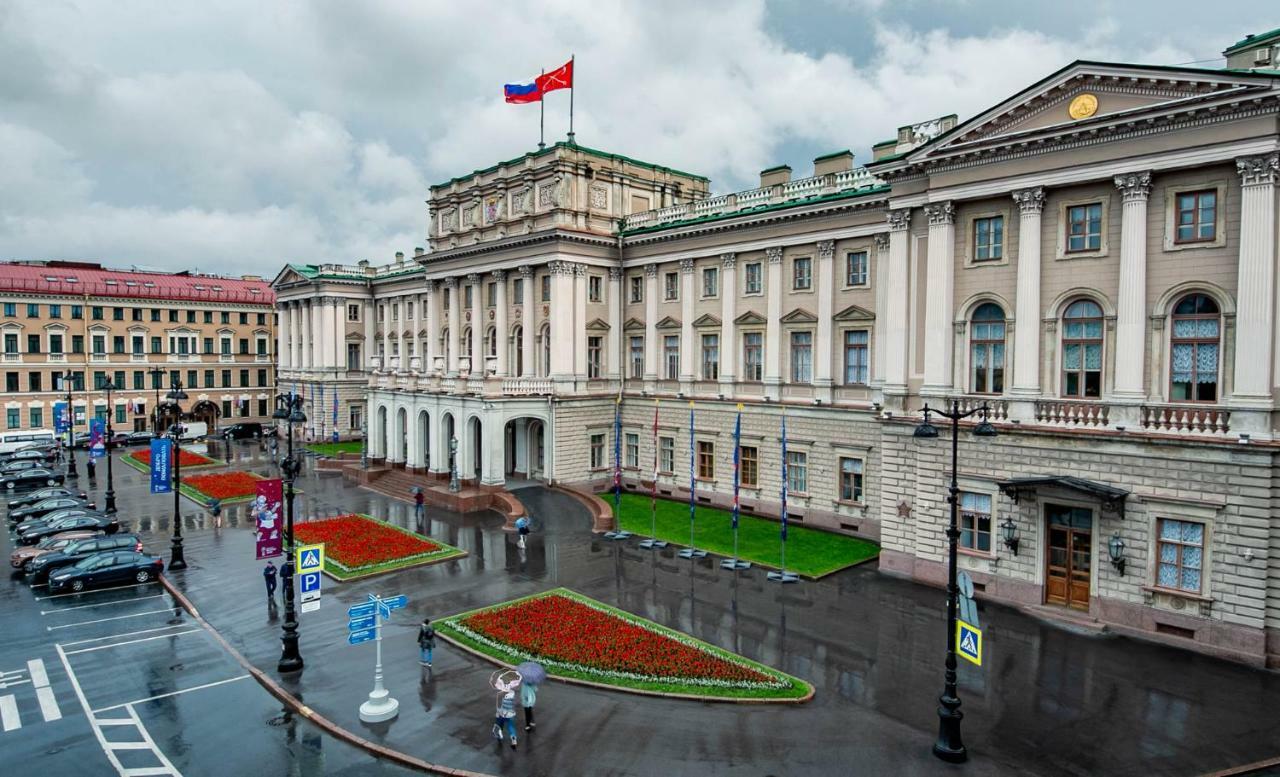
(1047, 702)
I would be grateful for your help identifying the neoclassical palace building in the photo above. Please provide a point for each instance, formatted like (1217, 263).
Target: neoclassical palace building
(1093, 258)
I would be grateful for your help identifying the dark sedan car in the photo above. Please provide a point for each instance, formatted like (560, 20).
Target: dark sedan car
(18, 465)
(43, 508)
(95, 521)
(140, 438)
(42, 494)
(28, 454)
(31, 478)
(112, 568)
(39, 568)
(56, 515)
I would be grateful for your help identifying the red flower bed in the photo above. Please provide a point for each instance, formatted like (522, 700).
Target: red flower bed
(224, 485)
(558, 628)
(187, 458)
(355, 541)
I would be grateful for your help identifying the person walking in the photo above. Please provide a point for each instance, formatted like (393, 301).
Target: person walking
(522, 529)
(418, 500)
(528, 698)
(426, 642)
(91, 469)
(505, 716)
(215, 509)
(269, 575)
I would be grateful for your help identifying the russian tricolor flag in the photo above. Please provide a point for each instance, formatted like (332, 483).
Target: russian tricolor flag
(522, 93)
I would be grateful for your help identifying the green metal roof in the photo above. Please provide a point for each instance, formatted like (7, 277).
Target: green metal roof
(833, 155)
(1252, 40)
(760, 209)
(564, 144)
(889, 142)
(775, 169)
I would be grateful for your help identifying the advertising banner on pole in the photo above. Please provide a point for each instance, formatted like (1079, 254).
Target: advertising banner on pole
(160, 455)
(61, 418)
(97, 438)
(267, 517)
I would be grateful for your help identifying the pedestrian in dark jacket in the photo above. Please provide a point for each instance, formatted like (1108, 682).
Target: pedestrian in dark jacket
(269, 575)
(426, 642)
(418, 500)
(91, 468)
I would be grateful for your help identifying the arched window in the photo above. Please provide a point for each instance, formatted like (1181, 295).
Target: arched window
(1194, 349)
(1082, 350)
(491, 342)
(544, 369)
(986, 350)
(446, 346)
(517, 350)
(466, 341)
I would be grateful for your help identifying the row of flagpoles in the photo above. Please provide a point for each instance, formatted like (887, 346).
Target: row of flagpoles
(692, 551)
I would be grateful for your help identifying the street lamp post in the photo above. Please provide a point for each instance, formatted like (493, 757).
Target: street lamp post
(177, 558)
(109, 387)
(289, 409)
(364, 445)
(454, 486)
(157, 376)
(68, 381)
(949, 746)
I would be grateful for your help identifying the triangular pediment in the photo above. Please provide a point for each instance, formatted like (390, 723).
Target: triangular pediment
(633, 325)
(668, 322)
(597, 325)
(293, 273)
(706, 319)
(799, 316)
(750, 318)
(855, 313)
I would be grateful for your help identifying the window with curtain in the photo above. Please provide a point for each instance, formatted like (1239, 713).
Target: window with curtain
(797, 472)
(975, 521)
(671, 356)
(637, 357)
(850, 479)
(1194, 345)
(710, 357)
(1180, 546)
(855, 357)
(1082, 350)
(666, 454)
(986, 350)
(597, 451)
(632, 450)
(801, 357)
(752, 355)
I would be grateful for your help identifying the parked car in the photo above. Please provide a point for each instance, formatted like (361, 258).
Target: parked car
(28, 454)
(42, 494)
(21, 556)
(106, 569)
(243, 431)
(56, 515)
(92, 521)
(140, 438)
(81, 440)
(30, 478)
(39, 568)
(194, 430)
(18, 465)
(117, 439)
(40, 509)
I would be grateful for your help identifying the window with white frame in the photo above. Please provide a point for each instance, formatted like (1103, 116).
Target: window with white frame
(802, 273)
(1082, 350)
(594, 347)
(801, 357)
(595, 288)
(988, 239)
(637, 357)
(353, 312)
(752, 355)
(798, 472)
(1180, 550)
(855, 268)
(710, 281)
(671, 286)
(671, 356)
(666, 454)
(597, 451)
(856, 364)
(752, 278)
(975, 521)
(850, 479)
(710, 357)
(632, 450)
(636, 284)
(986, 350)
(1194, 350)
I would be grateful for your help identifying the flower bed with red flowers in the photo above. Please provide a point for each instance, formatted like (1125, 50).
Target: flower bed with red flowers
(223, 486)
(141, 459)
(357, 545)
(578, 638)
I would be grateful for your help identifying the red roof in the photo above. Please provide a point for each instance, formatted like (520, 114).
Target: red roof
(95, 281)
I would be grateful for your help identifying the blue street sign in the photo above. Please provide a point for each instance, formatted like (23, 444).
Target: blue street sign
(309, 581)
(396, 602)
(360, 624)
(361, 610)
(356, 637)
(310, 559)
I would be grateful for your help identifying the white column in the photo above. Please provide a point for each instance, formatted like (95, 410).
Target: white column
(728, 329)
(452, 343)
(561, 367)
(370, 338)
(316, 334)
(688, 353)
(613, 351)
(896, 302)
(477, 325)
(1026, 342)
(1255, 320)
(437, 449)
(302, 325)
(579, 321)
(652, 348)
(500, 320)
(527, 319)
(328, 335)
(386, 333)
(340, 333)
(431, 317)
(773, 325)
(295, 335)
(282, 339)
(824, 286)
(879, 336)
(493, 442)
(400, 322)
(940, 297)
(1131, 306)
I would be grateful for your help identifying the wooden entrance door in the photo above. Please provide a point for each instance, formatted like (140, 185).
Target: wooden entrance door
(1070, 557)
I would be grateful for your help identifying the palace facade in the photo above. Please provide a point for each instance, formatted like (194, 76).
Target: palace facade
(1093, 259)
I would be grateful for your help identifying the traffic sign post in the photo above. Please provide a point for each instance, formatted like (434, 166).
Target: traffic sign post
(969, 642)
(309, 561)
(365, 625)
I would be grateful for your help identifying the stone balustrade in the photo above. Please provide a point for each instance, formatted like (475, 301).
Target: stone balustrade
(1053, 412)
(523, 387)
(1186, 419)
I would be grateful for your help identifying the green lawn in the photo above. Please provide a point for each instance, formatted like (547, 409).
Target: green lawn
(334, 448)
(810, 552)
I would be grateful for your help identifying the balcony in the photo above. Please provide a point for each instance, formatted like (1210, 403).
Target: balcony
(1053, 412)
(57, 358)
(262, 358)
(1186, 419)
(12, 358)
(526, 387)
(224, 358)
(997, 408)
(138, 358)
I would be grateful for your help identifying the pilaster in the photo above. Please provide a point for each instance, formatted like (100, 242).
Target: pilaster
(688, 355)
(453, 337)
(897, 303)
(500, 325)
(1026, 342)
(613, 351)
(773, 325)
(824, 287)
(940, 298)
(879, 334)
(1131, 306)
(527, 319)
(1256, 323)
(728, 329)
(477, 324)
(651, 346)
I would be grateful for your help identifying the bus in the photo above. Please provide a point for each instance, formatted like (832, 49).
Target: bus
(12, 441)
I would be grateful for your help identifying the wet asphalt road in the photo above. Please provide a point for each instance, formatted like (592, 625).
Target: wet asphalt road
(1047, 701)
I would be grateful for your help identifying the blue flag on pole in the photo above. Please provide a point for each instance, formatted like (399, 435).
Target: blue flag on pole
(737, 463)
(617, 456)
(784, 478)
(160, 452)
(693, 482)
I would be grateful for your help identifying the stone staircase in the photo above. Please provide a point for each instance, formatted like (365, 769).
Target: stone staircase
(399, 484)
(1075, 621)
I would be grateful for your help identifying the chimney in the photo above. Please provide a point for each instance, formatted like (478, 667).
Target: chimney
(399, 257)
(419, 251)
(775, 176)
(836, 162)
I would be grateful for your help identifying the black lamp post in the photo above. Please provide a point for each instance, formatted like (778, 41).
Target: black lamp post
(109, 387)
(177, 559)
(949, 746)
(68, 381)
(289, 410)
(157, 376)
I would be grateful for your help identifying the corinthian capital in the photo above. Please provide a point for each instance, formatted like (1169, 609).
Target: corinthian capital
(940, 213)
(686, 265)
(899, 220)
(1258, 170)
(651, 271)
(1134, 186)
(1030, 200)
(882, 242)
(774, 255)
(729, 260)
(826, 249)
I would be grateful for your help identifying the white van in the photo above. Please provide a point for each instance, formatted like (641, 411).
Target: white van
(194, 430)
(12, 441)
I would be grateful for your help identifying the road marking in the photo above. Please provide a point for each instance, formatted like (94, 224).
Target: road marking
(95, 591)
(101, 604)
(44, 694)
(126, 634)
(171, 693)
(104, 620)
(9, 713)
(130, 642)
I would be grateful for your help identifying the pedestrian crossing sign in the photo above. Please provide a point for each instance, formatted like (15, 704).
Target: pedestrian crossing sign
(969, 642)
(310, 558)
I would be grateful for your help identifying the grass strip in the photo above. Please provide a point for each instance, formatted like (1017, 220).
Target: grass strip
(334, 448)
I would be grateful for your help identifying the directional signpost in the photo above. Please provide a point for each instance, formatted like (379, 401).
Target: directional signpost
(309, 561)
(363, 625)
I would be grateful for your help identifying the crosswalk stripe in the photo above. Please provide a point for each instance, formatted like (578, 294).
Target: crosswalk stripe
(9, 713)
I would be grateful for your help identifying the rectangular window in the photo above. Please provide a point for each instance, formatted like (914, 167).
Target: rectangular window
(752, 274)
(55, 311)
(95, 312)
(666, 454)
(244, 318)
(711, 282)
(55, 343)
(244, 378)
(262, 319)
(594, 345)
(117, 380)
(546, 288)
(157, 379)
(156, 346)
(467, 294)
(155, 314)
(670, 286)
(1084, 228)
(33, 343)
(117, 343)
(975, 521)
(706, 460)
(10, 309)
(37, 417)
(798, 472)
(11, 382)
(99, 380)
(244, 346)
(33, 310)
(226, 408)
(135, 314)
(34, 381)
(77, 311)
(801, 357)
(11, 343)
(136, 344)
(12, 419)
(191, 379)
(988, 239)
(850, 480)
(491, 292)
(208, 316)
(262, 378)
(855, 268)
(595, 288)
(140, 380)
(752, 355)
(226, 378)
(597, 451)
(208, 345)
(517, 291)
(99, 345)
(1197, 217)
(637, 357)
(1180, 549)
(636, 284)
(671, 356)
(632, 447)
(856, 372)
(208, 378)
(353, 312)
(226, 346)
(223, 317)
(191, 316)
(802, 273)
(749, 466)
(77, 343)
(710, 357)
(173, 316)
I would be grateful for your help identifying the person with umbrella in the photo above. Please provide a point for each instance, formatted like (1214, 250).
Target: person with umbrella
(531, 676)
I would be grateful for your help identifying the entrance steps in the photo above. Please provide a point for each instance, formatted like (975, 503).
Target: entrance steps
(399, 484)
(1075, 621)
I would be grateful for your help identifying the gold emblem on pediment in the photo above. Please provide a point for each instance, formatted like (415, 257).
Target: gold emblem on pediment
(1083, 106)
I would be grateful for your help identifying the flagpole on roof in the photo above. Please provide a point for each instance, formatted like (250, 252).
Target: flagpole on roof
(542, 118)
(572, 79)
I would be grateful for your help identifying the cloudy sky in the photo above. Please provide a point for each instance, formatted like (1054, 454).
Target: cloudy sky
(236, 135)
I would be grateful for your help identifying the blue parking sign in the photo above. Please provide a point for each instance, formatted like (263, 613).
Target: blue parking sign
(309, 581)
(969, 642)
